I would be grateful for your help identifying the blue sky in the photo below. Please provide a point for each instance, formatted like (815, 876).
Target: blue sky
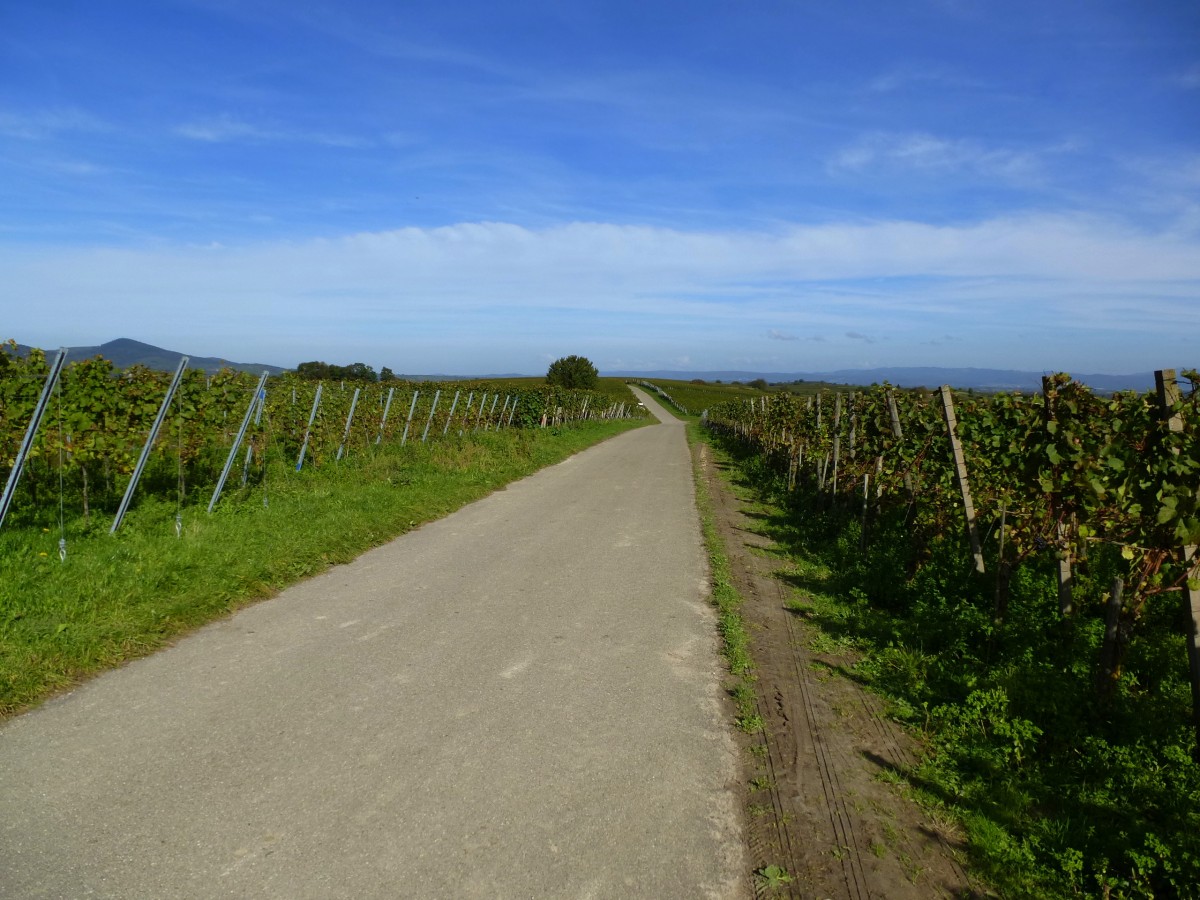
(466, 188)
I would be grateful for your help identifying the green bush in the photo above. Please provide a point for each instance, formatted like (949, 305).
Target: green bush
(573, 372)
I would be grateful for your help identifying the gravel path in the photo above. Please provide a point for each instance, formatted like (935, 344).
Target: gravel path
(520, 700)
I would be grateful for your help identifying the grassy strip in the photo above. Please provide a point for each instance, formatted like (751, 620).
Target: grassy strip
(735, 637)
(119, 597)
(736, 645)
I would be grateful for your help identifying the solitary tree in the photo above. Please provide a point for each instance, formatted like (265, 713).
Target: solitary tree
(572, 372)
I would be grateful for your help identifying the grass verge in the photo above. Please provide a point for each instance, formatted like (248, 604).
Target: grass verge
(735, 638)
(117, 597)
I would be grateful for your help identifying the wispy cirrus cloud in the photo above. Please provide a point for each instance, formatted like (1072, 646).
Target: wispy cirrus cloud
(1189, 78)
(776, 335)
(930, 153)
(859, 336)
(76, 167)
(598, 262)
(941, 341)
(907, 77)
(226, 129)
(222, 128)
(46, 123)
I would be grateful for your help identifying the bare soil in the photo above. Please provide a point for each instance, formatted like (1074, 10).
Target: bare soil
(826, 798)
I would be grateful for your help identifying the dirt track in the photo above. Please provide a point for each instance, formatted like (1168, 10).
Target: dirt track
(824, 815)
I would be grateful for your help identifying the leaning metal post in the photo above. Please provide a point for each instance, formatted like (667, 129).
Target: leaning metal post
(14, 476)
(237, 442)
(141, 463)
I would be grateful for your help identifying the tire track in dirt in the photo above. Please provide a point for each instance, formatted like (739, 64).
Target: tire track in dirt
(831, 763)
(817, 804)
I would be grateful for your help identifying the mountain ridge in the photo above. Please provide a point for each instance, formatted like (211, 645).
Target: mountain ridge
(126, 352)
(915, 376)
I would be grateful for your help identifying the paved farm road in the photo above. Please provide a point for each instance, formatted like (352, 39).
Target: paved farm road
(520, 700)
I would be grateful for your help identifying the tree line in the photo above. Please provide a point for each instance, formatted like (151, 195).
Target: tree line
(323, 371)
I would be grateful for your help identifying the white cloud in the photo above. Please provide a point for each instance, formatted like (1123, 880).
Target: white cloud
(494, 286)
(497, 259)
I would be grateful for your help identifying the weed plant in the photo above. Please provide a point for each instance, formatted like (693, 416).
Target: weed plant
(120, 596)
(1062, 791)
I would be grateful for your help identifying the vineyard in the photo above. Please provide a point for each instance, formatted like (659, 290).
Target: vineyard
(96, 423)
(1021, 573)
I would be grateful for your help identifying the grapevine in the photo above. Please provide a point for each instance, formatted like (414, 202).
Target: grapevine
(102, 417)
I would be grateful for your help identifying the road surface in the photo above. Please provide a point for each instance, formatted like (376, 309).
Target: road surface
(520, 700)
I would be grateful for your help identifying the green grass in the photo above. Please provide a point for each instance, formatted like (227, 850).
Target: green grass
(119, 597)
(734, 635)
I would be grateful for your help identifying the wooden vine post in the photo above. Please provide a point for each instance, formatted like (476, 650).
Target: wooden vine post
(1168, 396)
(1066, 604)
(1004, 575)
(1109, 653)
(1191, 598)
(853, 425)
(898, 434)
(819, 463)
(960, 474)
(837, 442)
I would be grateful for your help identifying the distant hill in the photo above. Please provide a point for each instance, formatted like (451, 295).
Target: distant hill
(918, 376)
(125, 352)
